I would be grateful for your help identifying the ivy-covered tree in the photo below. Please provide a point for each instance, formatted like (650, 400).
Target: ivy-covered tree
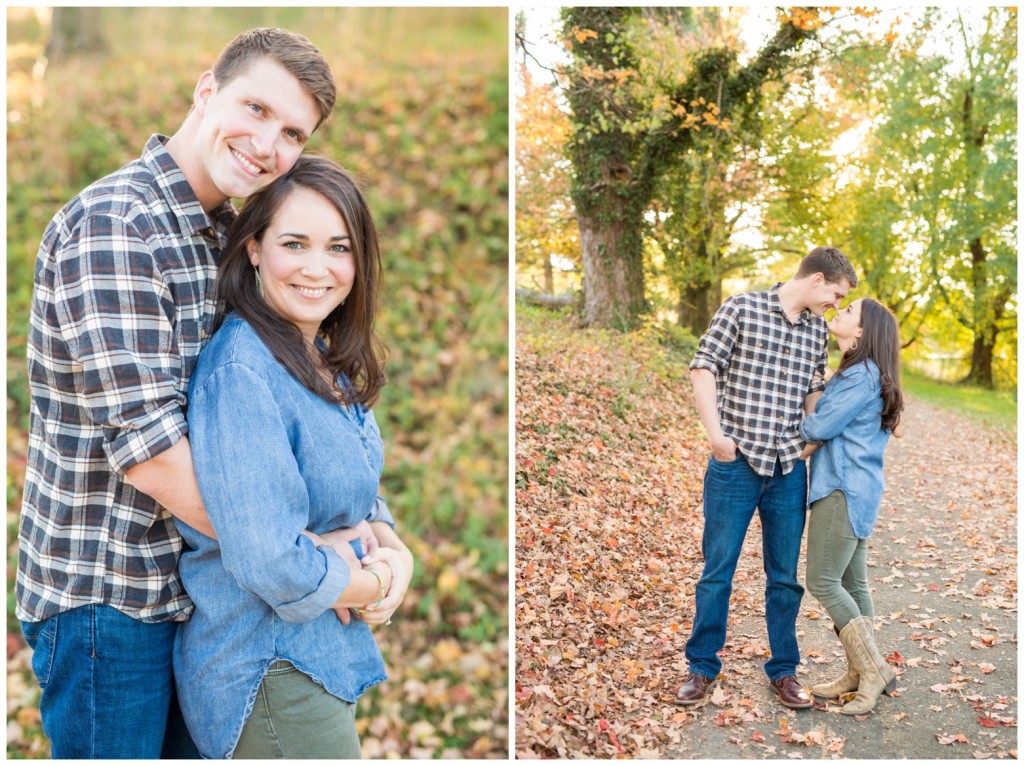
(630, 126)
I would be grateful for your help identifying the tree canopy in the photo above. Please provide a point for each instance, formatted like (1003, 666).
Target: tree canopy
(696, 159)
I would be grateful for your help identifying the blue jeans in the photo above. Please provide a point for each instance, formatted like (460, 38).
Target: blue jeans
(732, 491)
(108, 690)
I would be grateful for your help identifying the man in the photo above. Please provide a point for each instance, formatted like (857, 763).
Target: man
(123, 301)
(758, 368)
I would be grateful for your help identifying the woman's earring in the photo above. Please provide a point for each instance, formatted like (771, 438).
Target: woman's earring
(852, 348)
(259, 282)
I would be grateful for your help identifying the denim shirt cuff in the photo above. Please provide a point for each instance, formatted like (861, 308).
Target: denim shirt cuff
(330, 588)
(807, 438)
(381, 512)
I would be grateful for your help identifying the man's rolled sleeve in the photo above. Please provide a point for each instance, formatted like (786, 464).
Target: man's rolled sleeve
(715, 348)
(116, 318)
(818, 381)
(142, 442)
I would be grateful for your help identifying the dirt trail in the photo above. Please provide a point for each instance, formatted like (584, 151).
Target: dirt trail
(942, 566)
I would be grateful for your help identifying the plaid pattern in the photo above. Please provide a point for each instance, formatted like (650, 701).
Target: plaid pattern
(764, 367)
(123, 302)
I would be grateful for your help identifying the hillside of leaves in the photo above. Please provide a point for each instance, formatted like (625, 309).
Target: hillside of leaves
(422, 118)
(607, 444)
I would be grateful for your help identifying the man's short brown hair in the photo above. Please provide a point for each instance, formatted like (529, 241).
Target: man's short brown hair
(831, 263)
(295, 53)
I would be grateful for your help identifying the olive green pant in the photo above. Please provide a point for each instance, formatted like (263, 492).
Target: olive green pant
(294, 717)
(837, 569)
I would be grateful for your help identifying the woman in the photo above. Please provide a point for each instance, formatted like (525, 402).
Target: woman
(858, 410)
(286, 449)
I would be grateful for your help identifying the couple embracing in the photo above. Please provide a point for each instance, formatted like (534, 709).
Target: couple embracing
(759, 384)
(201, 523)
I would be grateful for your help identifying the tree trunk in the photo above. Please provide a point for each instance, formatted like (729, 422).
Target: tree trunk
(982, 356)
(549, 275)
(609, 199)
(613, 271)
(615, 165)
(697, 304)
(989, 310)
(74, 31)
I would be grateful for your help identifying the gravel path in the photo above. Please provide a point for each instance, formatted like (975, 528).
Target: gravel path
(943, 565)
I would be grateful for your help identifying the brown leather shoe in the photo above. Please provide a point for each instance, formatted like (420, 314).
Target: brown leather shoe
(791, 694)
(694, 689)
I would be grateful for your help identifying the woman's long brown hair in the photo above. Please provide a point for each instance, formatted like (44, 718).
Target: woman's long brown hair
(880, 342)
(352, 347)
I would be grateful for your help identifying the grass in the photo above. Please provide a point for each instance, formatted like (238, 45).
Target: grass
(997, 409)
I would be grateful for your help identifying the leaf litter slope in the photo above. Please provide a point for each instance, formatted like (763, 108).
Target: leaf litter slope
(610, 459)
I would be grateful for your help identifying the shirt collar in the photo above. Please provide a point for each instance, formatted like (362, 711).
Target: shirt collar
(178, 193)
(775, 304)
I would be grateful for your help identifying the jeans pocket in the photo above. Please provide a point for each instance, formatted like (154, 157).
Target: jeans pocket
(734, 461)
(42, 637)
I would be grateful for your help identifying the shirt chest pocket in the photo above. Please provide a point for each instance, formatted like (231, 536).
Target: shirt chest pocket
(803, 364)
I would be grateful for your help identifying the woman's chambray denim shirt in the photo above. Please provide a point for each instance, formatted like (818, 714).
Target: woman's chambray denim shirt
(272, 459)
(848, 422)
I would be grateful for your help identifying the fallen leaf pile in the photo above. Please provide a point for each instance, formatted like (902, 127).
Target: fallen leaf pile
(610, 457)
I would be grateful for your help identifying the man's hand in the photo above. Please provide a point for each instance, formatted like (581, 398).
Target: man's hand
(704, 394)
(361, 531)
(724, 449)
(809, 450)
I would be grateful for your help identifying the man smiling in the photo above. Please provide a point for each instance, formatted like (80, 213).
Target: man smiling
(122, 303)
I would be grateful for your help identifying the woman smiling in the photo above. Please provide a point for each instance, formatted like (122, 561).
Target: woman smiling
(287, 451)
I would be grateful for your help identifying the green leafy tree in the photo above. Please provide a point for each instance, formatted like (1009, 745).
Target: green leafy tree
(545, 219)
(935, 199)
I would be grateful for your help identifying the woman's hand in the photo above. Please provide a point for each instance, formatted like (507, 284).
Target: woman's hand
(399, 558)
(809, 450)
(389, 564)
(347, 554)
